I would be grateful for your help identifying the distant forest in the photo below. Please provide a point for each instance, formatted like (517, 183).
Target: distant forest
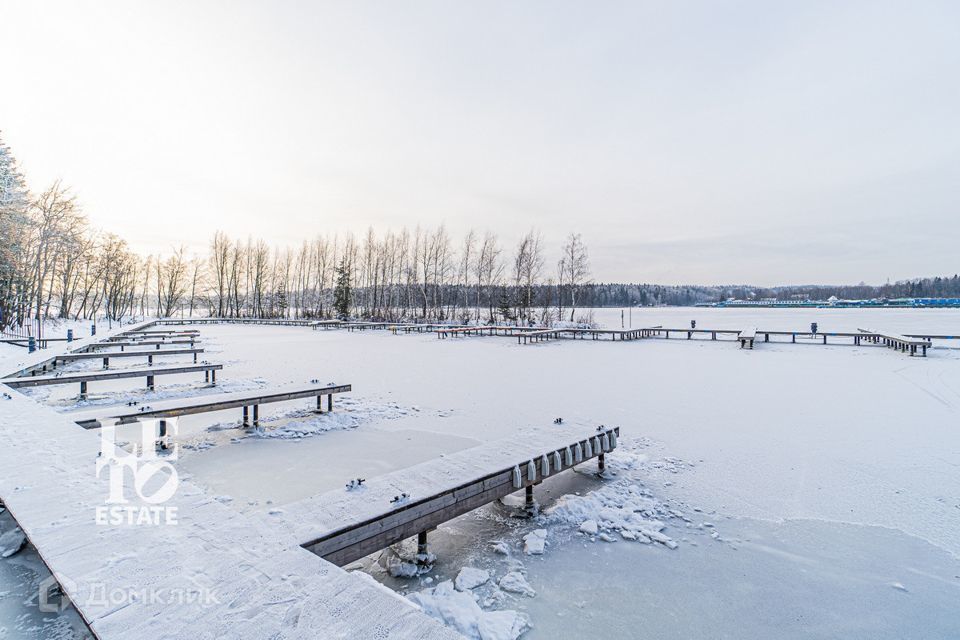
(54, 264)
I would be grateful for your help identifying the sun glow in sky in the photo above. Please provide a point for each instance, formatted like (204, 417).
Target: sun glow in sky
(701, 142)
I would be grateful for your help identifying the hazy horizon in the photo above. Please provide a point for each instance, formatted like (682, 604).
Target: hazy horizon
(689, 144)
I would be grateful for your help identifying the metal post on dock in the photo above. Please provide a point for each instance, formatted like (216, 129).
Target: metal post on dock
(83, 389)
(256, 415)
(150, 386)
(601, 463)
(422, 547)
(246, 416)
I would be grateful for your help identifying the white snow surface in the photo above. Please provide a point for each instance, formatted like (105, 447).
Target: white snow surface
(802, 485)
(459, 610)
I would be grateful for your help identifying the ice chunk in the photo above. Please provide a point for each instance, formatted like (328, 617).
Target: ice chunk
(11, 542)
(534, 542)
(589, 527)
(514, 582)
(460, 611)
(470, 578)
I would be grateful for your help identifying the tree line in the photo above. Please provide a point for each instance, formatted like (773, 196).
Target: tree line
(54, 264)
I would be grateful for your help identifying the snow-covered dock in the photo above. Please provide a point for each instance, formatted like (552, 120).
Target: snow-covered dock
(150, 373)
(175, 407)
(904, 344)
(215, 574)
(158, 344)
(345, 525)
(148, 354)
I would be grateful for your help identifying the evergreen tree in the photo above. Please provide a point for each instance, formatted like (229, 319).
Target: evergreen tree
(341, 292)
(13, 205)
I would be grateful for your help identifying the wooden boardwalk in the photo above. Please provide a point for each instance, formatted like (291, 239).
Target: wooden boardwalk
(244, 575)
(240, 576)
(209, 371)
(207, 404)
(107, 355)
(344, 525)
(911, 344)
(157, 344)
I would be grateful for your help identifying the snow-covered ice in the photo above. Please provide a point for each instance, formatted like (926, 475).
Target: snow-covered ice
(754, 493)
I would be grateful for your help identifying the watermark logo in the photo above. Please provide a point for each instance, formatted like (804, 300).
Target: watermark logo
(152, 477)
(52, 597)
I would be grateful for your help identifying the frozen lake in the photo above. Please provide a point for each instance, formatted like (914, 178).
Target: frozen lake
(811, 491)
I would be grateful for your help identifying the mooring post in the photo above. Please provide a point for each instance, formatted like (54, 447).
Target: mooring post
(530, 505)
(83, 389)
(601, 463)
(163, 434)
(213, 377)
(246, 416)
(149, 360)
(422, 547)
(150, 383)
(256, 415)
(319, 404)
(194, 357)
(330, 402)
(106, 363)
(206, 376)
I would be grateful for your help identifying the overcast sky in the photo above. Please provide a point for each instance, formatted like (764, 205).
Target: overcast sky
(701, 142)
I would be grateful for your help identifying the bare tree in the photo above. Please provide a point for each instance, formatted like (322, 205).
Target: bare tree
(527, 265)
(574, 270)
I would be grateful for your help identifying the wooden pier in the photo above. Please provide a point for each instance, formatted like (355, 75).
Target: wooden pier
(107, 355)
(157, 344)
(247, 400)
(346, 525)
(904, 344)
(240, 575)
(209, 371)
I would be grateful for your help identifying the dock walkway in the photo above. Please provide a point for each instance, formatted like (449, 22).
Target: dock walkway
(237, 577)
(344, 525)
(210, 403)
(209, 371)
